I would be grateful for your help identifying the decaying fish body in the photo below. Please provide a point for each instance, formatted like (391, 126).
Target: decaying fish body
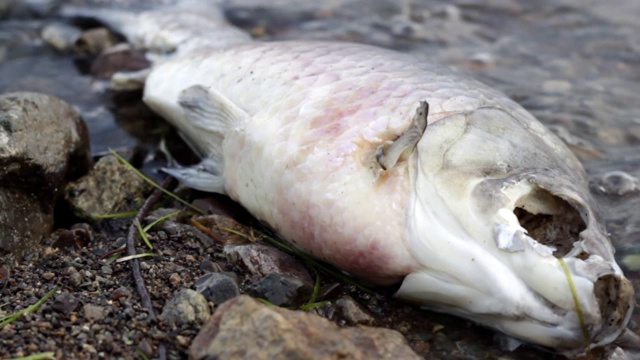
(472, 216)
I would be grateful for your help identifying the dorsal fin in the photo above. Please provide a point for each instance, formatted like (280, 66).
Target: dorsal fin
(388, 155)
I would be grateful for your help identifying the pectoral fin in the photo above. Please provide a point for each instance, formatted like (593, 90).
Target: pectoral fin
(208, 115)
(204, 176)
(388, 155)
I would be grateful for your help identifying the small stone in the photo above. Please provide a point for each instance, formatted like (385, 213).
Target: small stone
(48, 276)
(260, 260)
(187, 306)
(120, 293)
(210, 266)
(93, 312)
(145, 347)
(182, 340)
(617, 183)
(144, 265)
(218, 287)
(75, 279)
(65, 303)
(190, 258)
(175, 279)
(280, 290)
(106, 270)
(352, 312)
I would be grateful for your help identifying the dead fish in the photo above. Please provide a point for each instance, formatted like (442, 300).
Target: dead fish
(392, 169)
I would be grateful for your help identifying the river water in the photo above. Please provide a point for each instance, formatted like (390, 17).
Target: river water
(575, 64)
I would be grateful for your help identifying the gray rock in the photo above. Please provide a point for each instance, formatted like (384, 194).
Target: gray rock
(352, 312)
(217, 287)
(280, 290)
(43, 144)
(65, 303)
(260, 260)
(186, 306)
(243, 328)
(60, 35)
(93, 195)
(93, 312)
(617, 183)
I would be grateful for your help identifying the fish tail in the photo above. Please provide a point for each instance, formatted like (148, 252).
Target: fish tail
(171, 30)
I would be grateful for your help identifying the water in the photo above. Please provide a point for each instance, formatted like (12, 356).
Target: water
(574, 64)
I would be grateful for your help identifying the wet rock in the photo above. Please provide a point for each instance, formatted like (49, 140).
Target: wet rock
(352, 312)
(93, 312)
(118, 59)
(121, 293)
(218, 287)
(43, 144)
(260, 260)
(94, 41)
(65, 303)
(76, 237)
(186, 306)
(243, 328)
(617, 183)
(61, 36)
(280, 290)
(110, 187)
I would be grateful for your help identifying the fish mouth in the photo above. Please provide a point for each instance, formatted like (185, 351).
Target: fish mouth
(506, 233)
(561, 222)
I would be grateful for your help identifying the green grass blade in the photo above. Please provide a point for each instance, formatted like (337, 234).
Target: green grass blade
(39, 356)
(114, 215)
(11, 317)
(576, 301)
(143, 235)
(148, 227)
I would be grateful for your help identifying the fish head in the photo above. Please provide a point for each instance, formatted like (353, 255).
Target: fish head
(507, 234)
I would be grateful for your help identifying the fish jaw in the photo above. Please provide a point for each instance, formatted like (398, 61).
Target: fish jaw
(498, 201)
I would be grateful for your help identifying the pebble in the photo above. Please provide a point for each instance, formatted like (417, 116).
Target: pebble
(352, 312)
(106, 270)
(617, 183)
(260, 260)
(75, 279)
(48, 276)
(93, 312)
(280, 290)
(186, 306)
(65, 303)
(121, 293)
(175, 279)
(218, 287)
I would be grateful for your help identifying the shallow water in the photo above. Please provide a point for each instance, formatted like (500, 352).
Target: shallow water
(574, 64)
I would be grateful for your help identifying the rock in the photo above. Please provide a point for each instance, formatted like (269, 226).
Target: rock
(617, 183)
(280, 290)
(260, 260)
(243, 328)
(43, 144)
(186, 306)
(93, 312)
(61, 36)
(93, 195)
(352, 312)
(218, 287)
(118, 59)
(94, 41)
(65, 303)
